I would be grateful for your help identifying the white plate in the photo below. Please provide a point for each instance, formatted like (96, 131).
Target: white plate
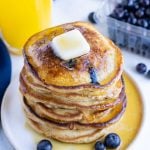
(13, 119)
(13, 122)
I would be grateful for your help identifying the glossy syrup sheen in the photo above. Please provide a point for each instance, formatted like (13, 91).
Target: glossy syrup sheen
(127, 128)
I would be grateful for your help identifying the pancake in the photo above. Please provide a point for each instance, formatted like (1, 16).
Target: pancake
(104, 56)
(51, 130)
(69, 136)
(67, 114)
(64, 103)
(111, 91)
(99, 124)
(70, 99)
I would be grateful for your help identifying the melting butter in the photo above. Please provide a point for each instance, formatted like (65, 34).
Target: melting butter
(70, 45)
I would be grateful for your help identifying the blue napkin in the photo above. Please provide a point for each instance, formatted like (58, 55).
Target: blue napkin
(5, 69)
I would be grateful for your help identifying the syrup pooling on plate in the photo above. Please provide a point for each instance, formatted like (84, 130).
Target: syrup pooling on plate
(127, 128)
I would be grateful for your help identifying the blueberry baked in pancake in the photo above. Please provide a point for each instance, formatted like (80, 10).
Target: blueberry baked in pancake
(72, 83)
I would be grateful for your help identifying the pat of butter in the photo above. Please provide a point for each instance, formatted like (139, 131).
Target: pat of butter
(70, 45)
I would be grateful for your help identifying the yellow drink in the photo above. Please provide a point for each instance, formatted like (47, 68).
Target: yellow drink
(19, 19)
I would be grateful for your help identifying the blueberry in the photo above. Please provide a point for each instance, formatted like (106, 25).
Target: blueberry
(148, 74)
(118, 12)
(127, 3)
(93, 75)
(99, 146)
(132, 19)
(147, 12)
(44, 145)
(130, 3)
(140, 12)
(141, 68)
(112, 140)
(143, 23)
(125, 14)
(119, 5)
(70, 64)
(136, 6)
(91, 17)
(121, 15)
(144, 2)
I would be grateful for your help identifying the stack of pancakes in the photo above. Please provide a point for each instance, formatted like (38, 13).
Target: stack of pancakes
(61, 99)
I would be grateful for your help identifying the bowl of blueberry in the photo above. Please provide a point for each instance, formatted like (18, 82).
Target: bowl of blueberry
(127, 23)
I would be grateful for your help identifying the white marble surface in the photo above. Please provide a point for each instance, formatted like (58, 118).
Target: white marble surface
(69, 10)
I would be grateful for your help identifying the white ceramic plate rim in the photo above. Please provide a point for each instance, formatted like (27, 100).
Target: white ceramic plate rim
(140, 142)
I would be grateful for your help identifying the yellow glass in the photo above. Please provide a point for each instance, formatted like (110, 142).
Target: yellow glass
(19, 19)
